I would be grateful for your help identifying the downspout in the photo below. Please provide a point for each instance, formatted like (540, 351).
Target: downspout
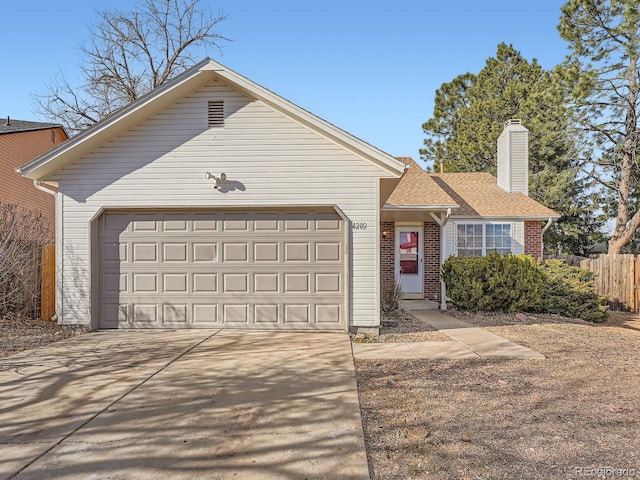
(39, 186)
(544, 229)
(442, 221)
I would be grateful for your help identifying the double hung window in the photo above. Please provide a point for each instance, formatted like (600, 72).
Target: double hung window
(480, 239)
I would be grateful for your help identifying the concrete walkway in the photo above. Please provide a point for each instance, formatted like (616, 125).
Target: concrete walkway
(183, 405)
(468, 342)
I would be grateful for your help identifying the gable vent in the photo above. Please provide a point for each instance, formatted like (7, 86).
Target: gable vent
(216, 113)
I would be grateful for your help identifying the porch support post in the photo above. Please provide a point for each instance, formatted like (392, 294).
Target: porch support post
(442, 221)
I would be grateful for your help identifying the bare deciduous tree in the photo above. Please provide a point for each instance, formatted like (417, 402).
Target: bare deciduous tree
(22, 234)
(130, 54)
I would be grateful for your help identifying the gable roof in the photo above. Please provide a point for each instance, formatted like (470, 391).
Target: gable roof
(180, 86)
(417, 189)
(467, 194)
(17, 126)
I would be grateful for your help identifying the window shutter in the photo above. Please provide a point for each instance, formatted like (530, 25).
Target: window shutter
(216, 113)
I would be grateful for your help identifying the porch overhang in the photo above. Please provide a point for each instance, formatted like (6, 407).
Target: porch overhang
(413, 213)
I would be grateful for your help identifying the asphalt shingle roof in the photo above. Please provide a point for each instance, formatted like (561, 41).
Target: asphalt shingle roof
(474, 194)
(14, 126)
(417, 188)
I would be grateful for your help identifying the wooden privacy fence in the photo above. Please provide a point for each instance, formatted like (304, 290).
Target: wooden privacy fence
(48, 285)
(617, 278)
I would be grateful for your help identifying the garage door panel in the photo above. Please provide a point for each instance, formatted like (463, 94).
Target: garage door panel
(327, 251)
(174, 283)
(296, 252)
(206, 225)
(206, 313)
(235, 252)
(266, 314)
(208, 269)
(114, 253)
(206, 283)
(236, 313)
(205, 252)
(174, 313)
(328, 315)
(266, 283)
(296, 314)
(327, 283)
(266, 251)
(235, 283)
(144, 252)
(174, 252)
(174, 223)
(146, 313)
(296, 283)
(332, 225)
(146, 225)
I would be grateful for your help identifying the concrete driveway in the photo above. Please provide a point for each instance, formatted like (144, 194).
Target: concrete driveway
(183, 404)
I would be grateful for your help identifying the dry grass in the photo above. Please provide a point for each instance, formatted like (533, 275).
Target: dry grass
(510, 419)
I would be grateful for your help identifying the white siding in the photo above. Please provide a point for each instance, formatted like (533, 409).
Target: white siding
(268, 159)
(519, 162)
(504, 163)
(513, 158)
(517, 234)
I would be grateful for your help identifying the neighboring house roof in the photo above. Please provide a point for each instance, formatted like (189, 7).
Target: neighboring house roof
(180, 86)
(15, 126)
(418, 190)
(467, 194)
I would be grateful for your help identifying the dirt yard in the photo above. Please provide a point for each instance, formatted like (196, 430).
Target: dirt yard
(574, 415)
(19, 333)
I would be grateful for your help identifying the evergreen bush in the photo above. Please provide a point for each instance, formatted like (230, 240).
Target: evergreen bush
(516, 283)
(509, 283)
(569, 291)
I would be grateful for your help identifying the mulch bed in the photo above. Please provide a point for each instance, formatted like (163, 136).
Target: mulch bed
(400, 326)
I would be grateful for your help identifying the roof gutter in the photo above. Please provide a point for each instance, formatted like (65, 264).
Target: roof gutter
(39, 186)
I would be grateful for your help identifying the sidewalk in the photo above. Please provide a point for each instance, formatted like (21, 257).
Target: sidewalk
(468, 342)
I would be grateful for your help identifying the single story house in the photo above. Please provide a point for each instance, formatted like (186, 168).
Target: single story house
(213, 202)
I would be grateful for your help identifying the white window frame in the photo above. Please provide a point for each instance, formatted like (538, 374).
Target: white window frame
(484, 224)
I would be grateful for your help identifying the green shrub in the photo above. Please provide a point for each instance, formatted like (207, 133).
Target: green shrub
(569, 291)
(509, 283)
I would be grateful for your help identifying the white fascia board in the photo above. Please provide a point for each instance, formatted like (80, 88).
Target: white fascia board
(363, 149)
(478, 218)
(105, 129)
(389, 207)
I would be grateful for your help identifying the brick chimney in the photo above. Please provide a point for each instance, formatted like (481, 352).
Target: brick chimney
(513, 158)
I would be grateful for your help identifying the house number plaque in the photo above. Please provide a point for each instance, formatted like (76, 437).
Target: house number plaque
(359, 226)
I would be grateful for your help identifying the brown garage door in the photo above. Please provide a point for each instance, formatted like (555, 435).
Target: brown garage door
(213, 269)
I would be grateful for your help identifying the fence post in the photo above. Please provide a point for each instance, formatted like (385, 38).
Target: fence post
(48, 286)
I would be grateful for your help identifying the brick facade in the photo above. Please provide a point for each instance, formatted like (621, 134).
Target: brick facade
(387, 255)
(431, 255)
(432, 261)
(431, 252)
(533, 239)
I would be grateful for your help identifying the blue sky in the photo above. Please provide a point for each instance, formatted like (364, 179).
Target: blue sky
(369, 67)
